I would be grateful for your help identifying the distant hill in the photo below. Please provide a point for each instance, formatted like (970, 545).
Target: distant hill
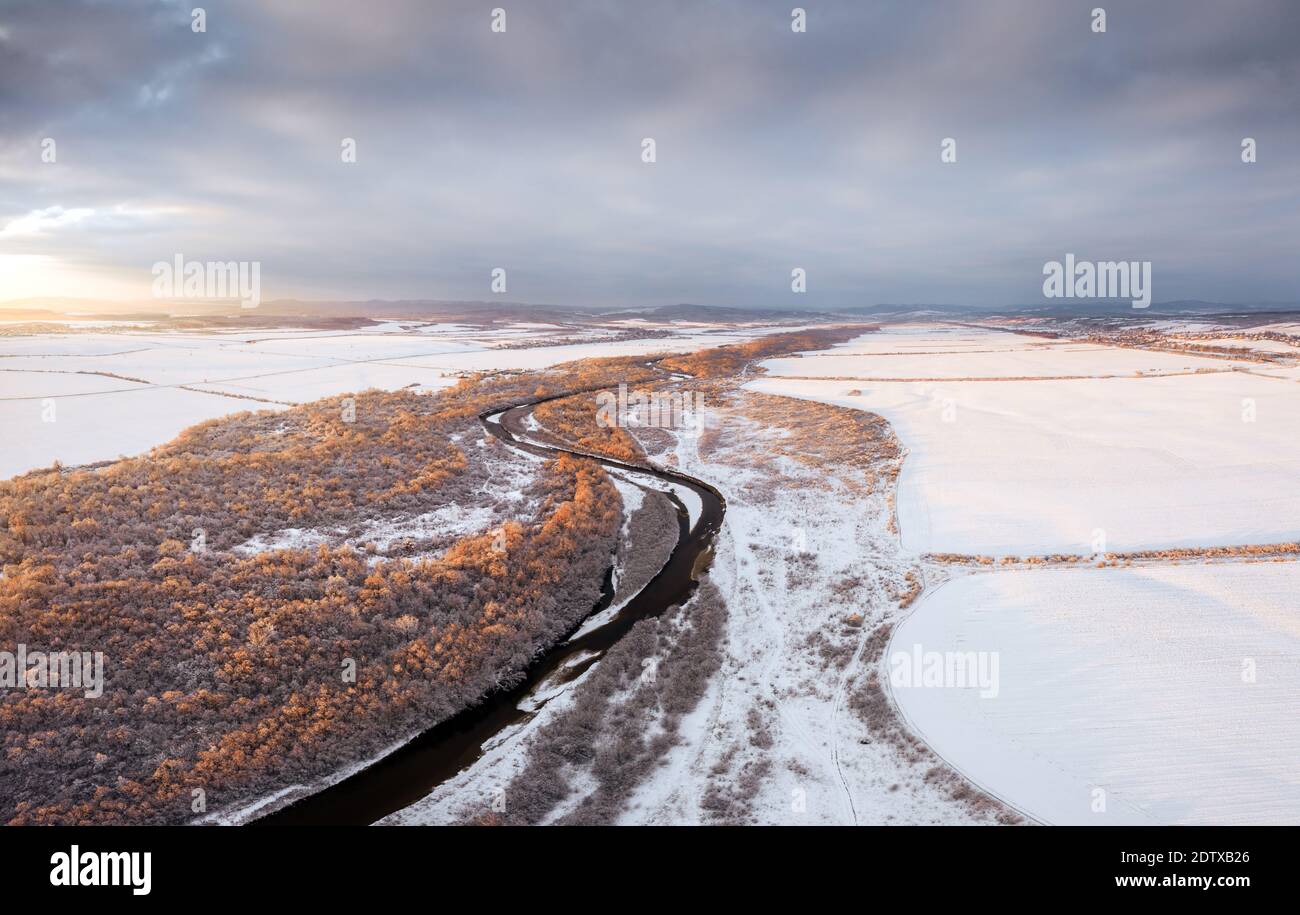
(480, 313)
(458, 312)
(1075, 308)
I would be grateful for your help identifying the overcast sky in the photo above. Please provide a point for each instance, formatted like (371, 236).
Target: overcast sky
(775, 150)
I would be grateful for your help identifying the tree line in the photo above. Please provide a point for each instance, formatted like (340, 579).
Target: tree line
(229, 676)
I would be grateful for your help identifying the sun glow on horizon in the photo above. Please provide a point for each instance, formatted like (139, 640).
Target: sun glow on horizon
(36, 276)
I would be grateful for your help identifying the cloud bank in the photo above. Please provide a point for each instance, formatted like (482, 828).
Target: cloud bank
(479, 149)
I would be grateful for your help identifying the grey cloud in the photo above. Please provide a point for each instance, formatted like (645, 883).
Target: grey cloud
(521, 150)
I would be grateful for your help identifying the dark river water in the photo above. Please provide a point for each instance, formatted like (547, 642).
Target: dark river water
(411, 772)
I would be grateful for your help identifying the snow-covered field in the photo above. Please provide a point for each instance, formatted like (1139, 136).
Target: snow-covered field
(924, 353)
(1041, 466)
(168, 381)
(1262, 346)
(1161, 694)
(80, 419)
(1154, 694)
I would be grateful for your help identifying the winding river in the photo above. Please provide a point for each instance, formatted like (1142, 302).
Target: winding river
(409, 773)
